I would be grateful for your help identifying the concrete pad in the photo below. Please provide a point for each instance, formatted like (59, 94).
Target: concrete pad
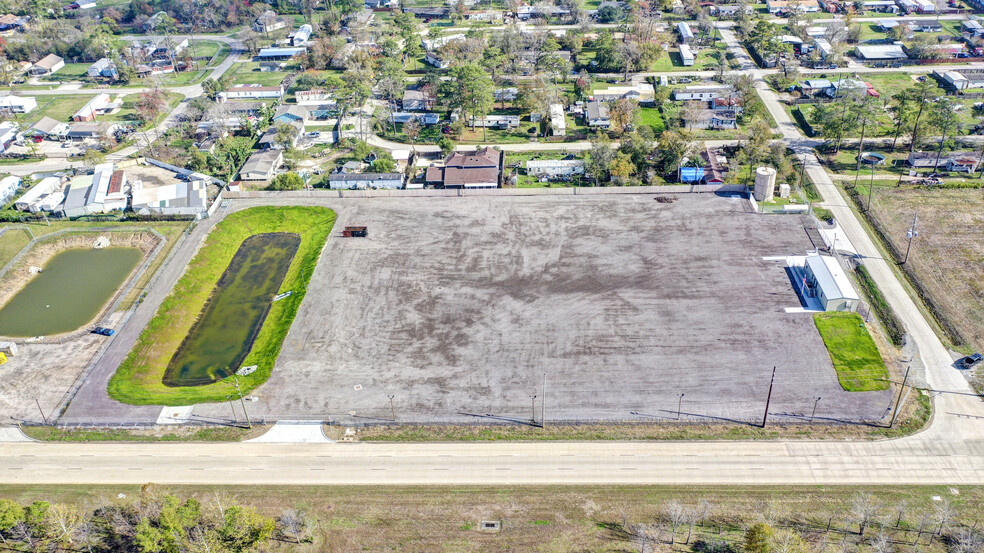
(837, 240)
(295, 432)
(175, 415)
(13, 434)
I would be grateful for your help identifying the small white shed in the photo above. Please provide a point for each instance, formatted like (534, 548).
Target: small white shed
(834, 290)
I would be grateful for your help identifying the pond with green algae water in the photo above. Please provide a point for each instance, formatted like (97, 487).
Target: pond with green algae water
(73, 288)
(234, 313)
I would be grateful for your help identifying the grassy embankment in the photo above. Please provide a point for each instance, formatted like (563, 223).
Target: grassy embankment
(139, 378)
(561, 518)
(859, 366)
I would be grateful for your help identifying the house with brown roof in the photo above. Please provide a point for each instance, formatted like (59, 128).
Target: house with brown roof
(479, 169)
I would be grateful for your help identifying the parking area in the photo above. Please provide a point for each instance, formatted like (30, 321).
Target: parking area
(461, 309)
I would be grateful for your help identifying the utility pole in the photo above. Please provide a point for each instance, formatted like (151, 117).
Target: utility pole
(912, 233)
(543, 402)
(243, 402)
(898, 402)
(392, 407)
(679, 406)
(871, 186)
(42, 410)
(815, 403)
(768, 398)
(533, 408)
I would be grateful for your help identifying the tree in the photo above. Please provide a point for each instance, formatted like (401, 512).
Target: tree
(11, 514)
(470, 90)
(412, 131)
(446, 145)
(285, 135)
(599, 158)
(287, 181)
(944, 118)
(294, 525)
(621, 168)
(864, 508)
(922, 92)
(788, 541)
(758, 539)
(622, 113)
(943, 514)
(673, 147)
(243, 528)
(693, 112)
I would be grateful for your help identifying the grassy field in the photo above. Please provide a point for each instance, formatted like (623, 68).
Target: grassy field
(57, 107)
(71, 72)
(859, 366)
(138, 379)
(555, 519)
(183, 434)
(947, 257)
(12, 242)
(249, 73)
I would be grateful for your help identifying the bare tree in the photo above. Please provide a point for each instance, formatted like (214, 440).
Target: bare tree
(967, 541)
(693, 112)
(690, 518)
(677, 515)
(943, 514)
(294, 525)
(882, 544)
(704, 509)
(900, 509)
(864, 509)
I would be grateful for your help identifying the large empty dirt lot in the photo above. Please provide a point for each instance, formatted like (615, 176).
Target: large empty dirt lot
(458, 307)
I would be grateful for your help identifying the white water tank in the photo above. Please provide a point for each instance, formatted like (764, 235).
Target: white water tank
(765, 183)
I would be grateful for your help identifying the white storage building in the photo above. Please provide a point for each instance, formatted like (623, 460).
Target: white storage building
(18, 104)
(34, 196)
(834, 290)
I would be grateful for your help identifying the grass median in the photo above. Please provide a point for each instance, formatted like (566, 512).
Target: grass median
(139, 378)
(859, 366)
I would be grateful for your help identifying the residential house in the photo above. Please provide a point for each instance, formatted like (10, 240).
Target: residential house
(251, 92)
(17, 104)
(812, 87)
(643, 92)
(153, 21)
(431, 44)
(32, 199)
(686, 35)
(880, 52)
(104, 67)
(8, 188)
(47, 65)
(315, 96)
(436, 60)
(480, 169)
(422, 118)
(291, 113)
(272, 140)
(717, 119)
(776, 6)
(596, 114)
(417, 100)
(362, 181)
(702, 92)
(10, 21)
(687, 56)
(506, 94)
(382, 5)
(100, 104)
(553, 168)
(431, 12)
(881, 6)
(48, 129)
(956, 80)
(91, 131)
(262, 165)
(284, 53)
(494, 120)
(484, 15)
(954, 162)
(268, 22)
(558, 121)
(301, 36)
(918, 26)
(8, 133)
(244, 109)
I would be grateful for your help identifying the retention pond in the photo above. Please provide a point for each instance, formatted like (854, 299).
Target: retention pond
(233, 315)
(74, 286)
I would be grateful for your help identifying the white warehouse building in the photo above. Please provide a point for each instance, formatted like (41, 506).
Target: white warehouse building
(831, 285)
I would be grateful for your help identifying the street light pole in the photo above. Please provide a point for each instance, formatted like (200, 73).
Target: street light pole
(898, 402)
(815, 403)
(679, 406)
(768, 398)
(233, 407)
(392, 407)
(243, 402)
(912, 233)
(533, 408)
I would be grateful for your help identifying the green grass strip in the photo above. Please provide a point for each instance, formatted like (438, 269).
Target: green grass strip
(138, 380)
(859, 366)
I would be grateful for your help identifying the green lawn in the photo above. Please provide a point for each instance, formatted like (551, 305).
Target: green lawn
(71, 72)
(139, 378)
(12, 242)
(60, 108)
(859, 366)
(204, 48)
(249, 73)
